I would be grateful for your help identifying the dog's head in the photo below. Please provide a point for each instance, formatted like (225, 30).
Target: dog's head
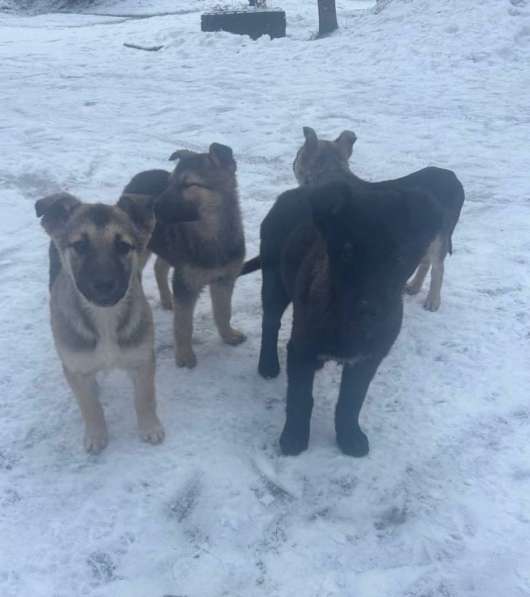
(374, 240)
(99, 244)
(320, 161)
(198, 178)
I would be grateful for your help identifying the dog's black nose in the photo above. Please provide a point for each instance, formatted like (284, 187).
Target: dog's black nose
(104, 286)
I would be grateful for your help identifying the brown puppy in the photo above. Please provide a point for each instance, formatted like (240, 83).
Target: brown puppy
(100, 318)
(319, 161)
(206, 252)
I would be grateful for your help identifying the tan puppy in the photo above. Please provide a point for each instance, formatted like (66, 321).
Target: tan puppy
(205, 248)
(100, 317)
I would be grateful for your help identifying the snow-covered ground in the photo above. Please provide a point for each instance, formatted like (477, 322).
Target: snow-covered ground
(441, 506)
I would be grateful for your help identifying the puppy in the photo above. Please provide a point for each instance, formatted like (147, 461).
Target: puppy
(319, 161)
(341, 256)
(100, 318)
(206, 252)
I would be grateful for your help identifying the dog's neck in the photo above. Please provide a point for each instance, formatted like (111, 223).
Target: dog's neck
(335, 173)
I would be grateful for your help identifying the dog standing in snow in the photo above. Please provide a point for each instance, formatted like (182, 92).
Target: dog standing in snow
(206, 252)
(100, 317)
(341, 256)
(319, 161)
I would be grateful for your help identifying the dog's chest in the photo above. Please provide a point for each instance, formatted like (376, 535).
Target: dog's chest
(109, 351)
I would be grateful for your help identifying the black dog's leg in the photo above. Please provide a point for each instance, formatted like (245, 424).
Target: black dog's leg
(275, 300)
(353, 387)
(300, 376)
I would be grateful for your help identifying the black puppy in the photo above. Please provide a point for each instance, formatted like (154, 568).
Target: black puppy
(342, 257)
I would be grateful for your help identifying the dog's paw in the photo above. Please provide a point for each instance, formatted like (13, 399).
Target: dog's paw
(186, 359)
(269, 368)
(95, 440)
(152, 432)
(293, 443)
(411, 289)
(234, 337)
(354, 443)
(432, 303)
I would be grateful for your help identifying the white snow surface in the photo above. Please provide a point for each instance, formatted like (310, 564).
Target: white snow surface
(441, 505)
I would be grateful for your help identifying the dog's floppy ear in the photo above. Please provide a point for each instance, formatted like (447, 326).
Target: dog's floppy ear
(222, 156)
(345, 143)
(140, 209)
(180, 154)
(55, 210)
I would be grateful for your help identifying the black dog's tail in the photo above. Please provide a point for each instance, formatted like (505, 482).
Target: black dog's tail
(251, 265)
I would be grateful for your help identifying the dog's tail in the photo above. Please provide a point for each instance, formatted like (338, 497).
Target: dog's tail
(251, 265)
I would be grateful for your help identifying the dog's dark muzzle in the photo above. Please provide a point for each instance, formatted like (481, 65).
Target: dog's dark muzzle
(104, 290)
(170, 207)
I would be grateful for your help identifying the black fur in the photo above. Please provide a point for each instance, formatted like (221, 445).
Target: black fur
(443, 186)
(154, 183)
(100, 215)
(342, 257)
(251, 265)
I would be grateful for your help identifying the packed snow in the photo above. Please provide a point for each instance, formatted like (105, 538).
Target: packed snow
(441, 506)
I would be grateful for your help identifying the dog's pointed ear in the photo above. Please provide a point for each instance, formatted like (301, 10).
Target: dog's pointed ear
(140, 209)
(345, 143)
(180, 154)
(311, 139)
(222, 156)
(55, 210)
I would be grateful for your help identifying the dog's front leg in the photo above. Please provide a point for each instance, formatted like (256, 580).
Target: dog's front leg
(353, 387)
(86, 390)
(414, 286)
(183, 308)
(300, 376)
(433, 300)
(274, 300)
(143, 378)
(161, 274)
(221, 292)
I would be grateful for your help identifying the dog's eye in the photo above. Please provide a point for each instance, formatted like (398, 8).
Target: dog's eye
(80, 246)
(122, 247)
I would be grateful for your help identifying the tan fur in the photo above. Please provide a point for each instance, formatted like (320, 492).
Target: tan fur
(91, 338)
(162, 268)
(208, 251)
(434, 258)
(221, 282)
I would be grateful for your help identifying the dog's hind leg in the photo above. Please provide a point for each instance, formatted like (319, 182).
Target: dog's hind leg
(300, 376)
(221, 293)
(143, 378)
(86, 391)
(161, 275)
(184, 305)
(353, 387)
(274, 300)
(414, 286)
(438, 251)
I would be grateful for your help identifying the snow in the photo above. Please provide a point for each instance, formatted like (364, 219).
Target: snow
(440, 507)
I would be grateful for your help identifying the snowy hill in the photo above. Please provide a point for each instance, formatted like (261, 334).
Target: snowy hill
(440, 507)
